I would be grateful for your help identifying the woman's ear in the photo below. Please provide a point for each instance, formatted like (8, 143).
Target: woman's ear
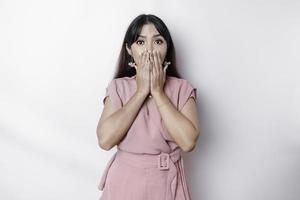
(128, 49)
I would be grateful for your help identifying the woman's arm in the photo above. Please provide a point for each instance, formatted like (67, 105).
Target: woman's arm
(113, 125)
(182, 125)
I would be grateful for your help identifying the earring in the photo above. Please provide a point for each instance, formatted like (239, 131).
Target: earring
(132, 64)
(167, 63)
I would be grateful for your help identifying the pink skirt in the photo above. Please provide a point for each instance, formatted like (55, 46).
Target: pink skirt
(130, 176)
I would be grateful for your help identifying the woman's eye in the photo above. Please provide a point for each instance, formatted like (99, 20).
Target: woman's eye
(139, 42)
(160, 41)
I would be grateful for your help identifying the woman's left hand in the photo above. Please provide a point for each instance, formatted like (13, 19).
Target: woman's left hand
(157, 74)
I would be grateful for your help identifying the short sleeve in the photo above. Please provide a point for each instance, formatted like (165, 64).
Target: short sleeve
(186, 91)
(113, 93)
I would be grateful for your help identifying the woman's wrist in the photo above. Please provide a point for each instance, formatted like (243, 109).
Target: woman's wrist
(161, 99)
(163, 104)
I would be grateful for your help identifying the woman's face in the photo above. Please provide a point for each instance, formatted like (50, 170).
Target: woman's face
(149, 39)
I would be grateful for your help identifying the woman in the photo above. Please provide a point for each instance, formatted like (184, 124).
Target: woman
(149, 115)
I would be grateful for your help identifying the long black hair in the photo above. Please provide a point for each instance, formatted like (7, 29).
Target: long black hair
(134, 29)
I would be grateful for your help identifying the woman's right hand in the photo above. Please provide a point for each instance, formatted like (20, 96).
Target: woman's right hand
(143, 73)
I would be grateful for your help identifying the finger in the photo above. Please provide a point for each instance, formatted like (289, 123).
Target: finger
(148, 57)
(138, 69)
(144, 58)
(140, 58)
(165, 71)
(156, 62)
(159, 61)
(147, 63)
(159, 66)
(153, 71)
(151, 58)
(151, 62)
(151, 79)
(142, 66)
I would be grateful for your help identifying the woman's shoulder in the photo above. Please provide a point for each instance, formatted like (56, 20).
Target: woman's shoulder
(125, 82)
(179, 90)
(173, 78)
(125, 79)
(125, 86)
(175, 81)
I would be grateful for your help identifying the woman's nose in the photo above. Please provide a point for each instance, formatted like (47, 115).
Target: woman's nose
(149, 47)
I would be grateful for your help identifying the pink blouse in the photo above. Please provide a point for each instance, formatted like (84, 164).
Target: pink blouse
(148, 135)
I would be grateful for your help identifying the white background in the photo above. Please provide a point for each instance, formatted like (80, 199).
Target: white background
(57, 57)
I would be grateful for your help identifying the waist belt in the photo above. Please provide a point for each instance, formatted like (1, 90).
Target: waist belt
(162, 161)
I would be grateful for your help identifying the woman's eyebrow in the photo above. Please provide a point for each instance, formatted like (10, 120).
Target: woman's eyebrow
(153, 35)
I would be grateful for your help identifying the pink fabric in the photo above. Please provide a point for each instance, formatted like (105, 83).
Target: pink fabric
(134, 172)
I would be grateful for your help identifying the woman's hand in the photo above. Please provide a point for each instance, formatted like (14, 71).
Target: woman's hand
(158, 75)
(143, 73)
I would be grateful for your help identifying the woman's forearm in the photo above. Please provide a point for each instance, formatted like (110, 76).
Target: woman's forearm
(181, 129)
(115, 127)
